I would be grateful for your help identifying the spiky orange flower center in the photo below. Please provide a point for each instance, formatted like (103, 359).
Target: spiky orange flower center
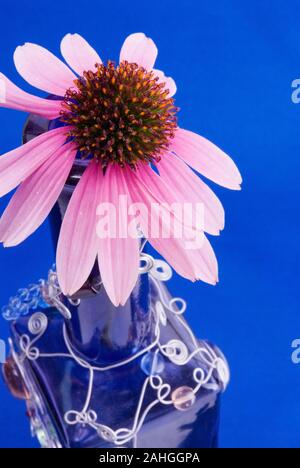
(120, 114)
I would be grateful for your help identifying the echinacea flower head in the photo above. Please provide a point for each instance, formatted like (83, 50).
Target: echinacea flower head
(120, 114)
(121, 120)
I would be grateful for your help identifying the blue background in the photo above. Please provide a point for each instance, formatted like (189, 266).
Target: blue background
(234, 63)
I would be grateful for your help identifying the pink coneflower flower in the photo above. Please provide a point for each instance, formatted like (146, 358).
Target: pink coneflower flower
(122, 120)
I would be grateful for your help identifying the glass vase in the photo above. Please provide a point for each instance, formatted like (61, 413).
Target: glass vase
(95, 375)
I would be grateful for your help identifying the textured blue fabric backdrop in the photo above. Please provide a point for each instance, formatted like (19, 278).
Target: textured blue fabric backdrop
(233, 62)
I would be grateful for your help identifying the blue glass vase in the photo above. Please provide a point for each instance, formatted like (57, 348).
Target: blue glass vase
(94, 375)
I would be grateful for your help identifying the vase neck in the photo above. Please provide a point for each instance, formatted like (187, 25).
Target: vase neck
(104, 333)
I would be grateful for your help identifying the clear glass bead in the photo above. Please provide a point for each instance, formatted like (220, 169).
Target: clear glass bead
(183, 398)
(152, 363)
(14, 380)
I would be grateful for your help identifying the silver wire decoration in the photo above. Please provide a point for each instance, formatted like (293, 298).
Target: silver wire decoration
(175, 350)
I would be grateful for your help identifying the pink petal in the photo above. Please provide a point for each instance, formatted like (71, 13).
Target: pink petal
(205, 260)
(118, 256)
(78, 54)
(193, 264)
(184, 182)
(18, 164)
(15, 98)
(77, 244)
(169, 82)
(42, 69)
(164, 192)
(36, 196)
(139, 49)
(206, 158)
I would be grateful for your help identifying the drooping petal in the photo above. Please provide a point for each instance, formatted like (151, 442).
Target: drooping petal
(139, 49)
(192, 258)
(78, 53)
(183, 181)
(42, 69)
(205, 260)
(20, 163)
(15, 98)
(77, 244)
(206, 158)
(169, 82)
(118, 252)
(192, 264)
(175, 201)
(35, 197)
